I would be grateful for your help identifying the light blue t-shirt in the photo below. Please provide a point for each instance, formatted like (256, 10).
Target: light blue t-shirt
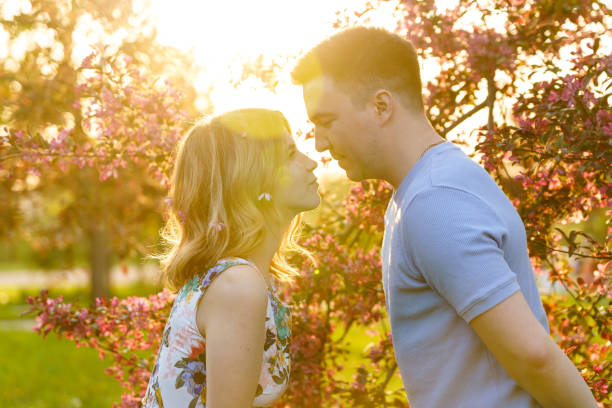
(454, 247)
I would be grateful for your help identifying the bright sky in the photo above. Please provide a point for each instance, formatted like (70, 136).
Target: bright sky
(224, 34)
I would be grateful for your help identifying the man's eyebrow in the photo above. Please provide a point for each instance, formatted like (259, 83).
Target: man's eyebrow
(319, 116)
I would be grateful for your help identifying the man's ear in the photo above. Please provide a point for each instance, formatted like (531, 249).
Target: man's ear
(383, 105)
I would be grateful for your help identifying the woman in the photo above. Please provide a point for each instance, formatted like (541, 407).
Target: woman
(238, 184)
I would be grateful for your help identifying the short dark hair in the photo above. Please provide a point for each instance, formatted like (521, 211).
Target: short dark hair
(362, 59)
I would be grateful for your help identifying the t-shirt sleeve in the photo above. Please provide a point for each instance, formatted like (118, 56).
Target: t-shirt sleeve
(454, 241)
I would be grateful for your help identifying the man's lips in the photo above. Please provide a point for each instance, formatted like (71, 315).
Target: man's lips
(341, 160)
(336, 156)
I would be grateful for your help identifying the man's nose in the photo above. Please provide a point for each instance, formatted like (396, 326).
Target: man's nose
(321, 142)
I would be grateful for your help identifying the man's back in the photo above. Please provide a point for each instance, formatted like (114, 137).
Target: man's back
(454, 248)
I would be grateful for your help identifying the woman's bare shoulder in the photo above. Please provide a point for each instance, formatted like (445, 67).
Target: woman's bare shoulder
(238, 290)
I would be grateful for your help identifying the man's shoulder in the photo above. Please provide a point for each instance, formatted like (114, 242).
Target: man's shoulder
(444, 211)
(454, 168)
(441, 198)
(447, 177)
(448, 168)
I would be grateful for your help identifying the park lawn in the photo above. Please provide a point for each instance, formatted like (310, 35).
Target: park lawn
(41, 373)
(52, 372)
(49, 373)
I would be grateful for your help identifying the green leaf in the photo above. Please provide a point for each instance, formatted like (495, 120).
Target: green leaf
(179, 381)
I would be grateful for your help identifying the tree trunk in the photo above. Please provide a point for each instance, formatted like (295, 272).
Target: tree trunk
(99, 261)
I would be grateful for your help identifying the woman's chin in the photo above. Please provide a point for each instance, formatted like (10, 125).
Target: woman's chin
(310, 203)
(315, 202)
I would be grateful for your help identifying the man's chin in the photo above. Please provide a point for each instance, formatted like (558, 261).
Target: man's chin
(354, 175)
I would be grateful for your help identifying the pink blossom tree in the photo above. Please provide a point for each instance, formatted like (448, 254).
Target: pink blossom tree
(63, 119)
(545, 138)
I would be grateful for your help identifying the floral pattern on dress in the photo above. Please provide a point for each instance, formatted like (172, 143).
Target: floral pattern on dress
(193, 377)
(278, 362)
(179, 375)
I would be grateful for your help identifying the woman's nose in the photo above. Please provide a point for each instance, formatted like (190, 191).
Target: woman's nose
(310, 164)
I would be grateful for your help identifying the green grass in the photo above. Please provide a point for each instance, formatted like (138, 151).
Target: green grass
(357, 342)
(49, 373)
(45, 373)
(52, 372)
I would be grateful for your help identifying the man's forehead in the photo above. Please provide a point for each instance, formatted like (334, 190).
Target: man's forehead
(318, 92)
(319, 84)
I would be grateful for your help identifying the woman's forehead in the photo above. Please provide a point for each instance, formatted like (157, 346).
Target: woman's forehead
(288, 139)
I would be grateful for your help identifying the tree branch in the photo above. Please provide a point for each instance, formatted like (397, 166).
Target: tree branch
(544, 155)
(605, 256)
(388, 377)
(491, 101)
(464, 117)
(346, 330)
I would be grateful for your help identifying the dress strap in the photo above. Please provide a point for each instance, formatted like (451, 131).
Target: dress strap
(270, 283)
(226, 263)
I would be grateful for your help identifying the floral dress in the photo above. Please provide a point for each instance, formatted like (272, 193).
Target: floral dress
(178, 379)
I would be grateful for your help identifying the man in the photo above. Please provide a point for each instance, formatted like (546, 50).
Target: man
(468, 326)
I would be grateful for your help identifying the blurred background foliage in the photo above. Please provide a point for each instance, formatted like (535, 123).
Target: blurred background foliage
(60, 219)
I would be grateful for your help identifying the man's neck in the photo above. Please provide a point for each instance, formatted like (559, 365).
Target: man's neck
(409, 141)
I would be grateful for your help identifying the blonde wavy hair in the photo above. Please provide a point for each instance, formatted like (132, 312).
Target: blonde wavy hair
(222, 168)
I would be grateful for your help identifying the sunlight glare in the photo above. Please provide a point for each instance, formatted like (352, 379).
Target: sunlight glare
(223, 35)
(218, 30)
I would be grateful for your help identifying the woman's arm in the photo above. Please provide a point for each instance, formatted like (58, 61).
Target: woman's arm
(232, 315)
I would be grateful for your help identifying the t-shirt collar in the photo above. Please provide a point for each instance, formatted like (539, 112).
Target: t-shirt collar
(412, 174)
